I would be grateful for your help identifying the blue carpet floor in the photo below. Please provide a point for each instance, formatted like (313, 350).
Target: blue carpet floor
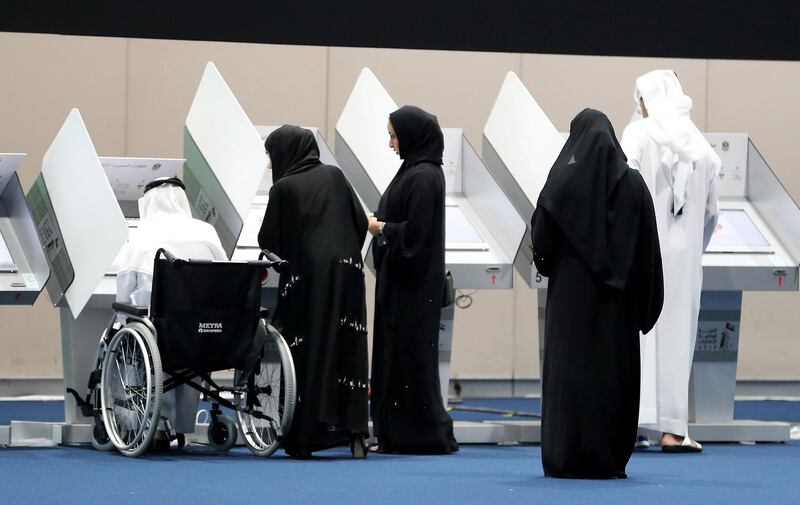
(760, 410)
(723, 473)
(729, 474)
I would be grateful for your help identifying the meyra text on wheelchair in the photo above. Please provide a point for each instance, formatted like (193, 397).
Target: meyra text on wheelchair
(204, 316)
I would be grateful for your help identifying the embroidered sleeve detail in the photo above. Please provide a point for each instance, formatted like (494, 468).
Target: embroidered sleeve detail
(353, 384)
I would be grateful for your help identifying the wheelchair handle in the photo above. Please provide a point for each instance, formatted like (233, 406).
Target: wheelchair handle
(273, 260)
(170, 257)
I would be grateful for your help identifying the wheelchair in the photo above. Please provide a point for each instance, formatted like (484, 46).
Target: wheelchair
(204, 316)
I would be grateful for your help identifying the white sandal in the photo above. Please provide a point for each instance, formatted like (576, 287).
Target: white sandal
(687, 446)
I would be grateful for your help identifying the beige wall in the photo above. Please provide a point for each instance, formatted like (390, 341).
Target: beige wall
(134, 95)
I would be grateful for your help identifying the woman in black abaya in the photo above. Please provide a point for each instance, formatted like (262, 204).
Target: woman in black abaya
(314, 220)
(406, 404)
(594, 237)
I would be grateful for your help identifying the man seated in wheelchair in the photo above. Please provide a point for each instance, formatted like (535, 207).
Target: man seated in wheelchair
(165, 222)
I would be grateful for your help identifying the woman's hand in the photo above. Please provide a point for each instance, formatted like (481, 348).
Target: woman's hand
(375, 226)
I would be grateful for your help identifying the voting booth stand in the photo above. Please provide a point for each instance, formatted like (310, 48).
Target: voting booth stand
(482, 229)
(81, 236)
(756, 247)
(23, 265)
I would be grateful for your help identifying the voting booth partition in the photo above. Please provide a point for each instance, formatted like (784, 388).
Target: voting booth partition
(520, 144)
(482, 229)
(225, 158)
(23, 265)
(756, 246)
(81, 237)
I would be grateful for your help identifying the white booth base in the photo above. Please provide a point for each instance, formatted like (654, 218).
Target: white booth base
(48, 434)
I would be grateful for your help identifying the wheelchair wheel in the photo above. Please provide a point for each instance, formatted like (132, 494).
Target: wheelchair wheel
(100, 439)
(272, 391)
(222, 433)
(131, 389)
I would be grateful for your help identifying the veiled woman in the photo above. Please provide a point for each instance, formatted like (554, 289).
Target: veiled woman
(595, 238)
(407, 410)
(315, 221)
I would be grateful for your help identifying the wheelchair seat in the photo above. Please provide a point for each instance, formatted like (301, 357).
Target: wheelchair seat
(205, 313)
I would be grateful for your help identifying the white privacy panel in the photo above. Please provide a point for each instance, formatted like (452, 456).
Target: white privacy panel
(363, 126)
(523, 137)
(227, 139)
(90, 219)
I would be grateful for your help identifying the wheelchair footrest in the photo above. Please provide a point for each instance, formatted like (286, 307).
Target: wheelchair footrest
(86, 408)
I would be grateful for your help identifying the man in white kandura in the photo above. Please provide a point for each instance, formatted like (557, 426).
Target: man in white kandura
(681, 170)
(166, 221)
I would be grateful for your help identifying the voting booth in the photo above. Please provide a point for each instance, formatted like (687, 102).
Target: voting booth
(224, 164)
(482, 229)
(81, 228)
(756, 246)
(23, 265)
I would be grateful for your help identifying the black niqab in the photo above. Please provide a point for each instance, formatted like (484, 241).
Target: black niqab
(293, 150)
(580, 194)
(594, 237)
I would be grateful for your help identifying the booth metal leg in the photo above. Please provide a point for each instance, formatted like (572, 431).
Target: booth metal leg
(541, 296)
(79, 338)
(712, 387)
(445, 350)
(529, 431)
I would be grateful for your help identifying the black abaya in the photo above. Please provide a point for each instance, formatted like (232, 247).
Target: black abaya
(314, 220)
(594, 236)
(406, 402)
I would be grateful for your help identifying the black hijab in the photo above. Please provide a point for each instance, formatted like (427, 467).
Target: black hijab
(293, 150)
(419, 135)
(587, 195)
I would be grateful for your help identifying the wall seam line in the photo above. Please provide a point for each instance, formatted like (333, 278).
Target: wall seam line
(327, 104)
(127, 93)
(708, 96)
